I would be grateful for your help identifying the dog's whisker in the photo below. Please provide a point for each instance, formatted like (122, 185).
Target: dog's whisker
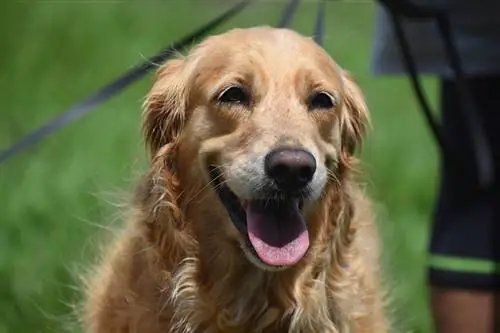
(206, 186)
(220, 184)
(331, 175)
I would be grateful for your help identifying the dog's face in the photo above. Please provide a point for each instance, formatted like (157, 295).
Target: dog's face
(262, 118)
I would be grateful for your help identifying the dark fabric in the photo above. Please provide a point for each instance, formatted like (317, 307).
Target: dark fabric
(466, 221)
(475, 26)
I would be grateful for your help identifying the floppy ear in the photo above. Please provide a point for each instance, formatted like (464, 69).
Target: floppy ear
(164, 110)
(355, 117)
(164, 116)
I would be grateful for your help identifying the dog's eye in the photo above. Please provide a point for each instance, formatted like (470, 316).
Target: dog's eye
(234, 95)
(321, 100)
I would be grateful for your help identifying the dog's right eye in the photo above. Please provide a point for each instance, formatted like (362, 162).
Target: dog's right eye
(234, 95)
(321, 100)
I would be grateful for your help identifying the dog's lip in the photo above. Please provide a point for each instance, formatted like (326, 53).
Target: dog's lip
(245, 202)
(229, 199)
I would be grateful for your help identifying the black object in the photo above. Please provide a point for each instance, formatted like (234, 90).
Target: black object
(319, 27)
(482, 150)
(288, 13)
(81, 108)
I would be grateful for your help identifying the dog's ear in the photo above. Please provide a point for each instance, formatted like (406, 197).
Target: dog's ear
(164, 110)
(163, 119)
(355, 117)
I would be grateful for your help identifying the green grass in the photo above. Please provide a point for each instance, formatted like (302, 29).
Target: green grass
(55, 196)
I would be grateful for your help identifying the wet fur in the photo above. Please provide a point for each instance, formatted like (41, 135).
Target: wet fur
(178, 267)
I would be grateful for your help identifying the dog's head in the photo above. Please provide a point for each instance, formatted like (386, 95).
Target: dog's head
(263, 119)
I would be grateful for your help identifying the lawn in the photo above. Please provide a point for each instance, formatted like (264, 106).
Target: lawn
(61, 195)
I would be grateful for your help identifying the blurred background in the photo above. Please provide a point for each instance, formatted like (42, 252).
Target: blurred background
(61, 195)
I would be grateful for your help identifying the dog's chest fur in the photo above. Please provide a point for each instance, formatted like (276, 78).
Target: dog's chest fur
(254, 307)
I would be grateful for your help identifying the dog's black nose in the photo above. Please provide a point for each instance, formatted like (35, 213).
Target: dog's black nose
(291, 169)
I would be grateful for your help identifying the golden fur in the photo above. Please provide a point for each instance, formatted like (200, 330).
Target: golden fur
(178, 266)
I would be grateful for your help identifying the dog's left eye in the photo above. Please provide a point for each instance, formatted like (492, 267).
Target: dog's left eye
(234, 95)
(321, 100)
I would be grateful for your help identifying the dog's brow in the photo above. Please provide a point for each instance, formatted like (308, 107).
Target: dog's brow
(226, 81)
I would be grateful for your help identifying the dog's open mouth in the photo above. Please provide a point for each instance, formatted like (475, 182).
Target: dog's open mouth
(274, 228)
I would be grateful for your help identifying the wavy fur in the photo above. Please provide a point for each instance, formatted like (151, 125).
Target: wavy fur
(178, 267)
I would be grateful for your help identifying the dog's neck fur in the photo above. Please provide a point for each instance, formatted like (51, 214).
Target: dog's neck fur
(252, 300)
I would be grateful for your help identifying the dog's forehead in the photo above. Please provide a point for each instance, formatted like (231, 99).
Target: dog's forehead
(264, 43)
(265, 48)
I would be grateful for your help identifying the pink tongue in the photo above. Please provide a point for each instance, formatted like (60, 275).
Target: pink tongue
(278, 233)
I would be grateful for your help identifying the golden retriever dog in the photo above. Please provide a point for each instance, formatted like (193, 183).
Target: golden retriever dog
(249, 219)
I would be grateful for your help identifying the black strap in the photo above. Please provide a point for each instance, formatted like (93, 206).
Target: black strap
(482, 150)
(417, 87)
(80, 109)
(319, 28)
(288, 13)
